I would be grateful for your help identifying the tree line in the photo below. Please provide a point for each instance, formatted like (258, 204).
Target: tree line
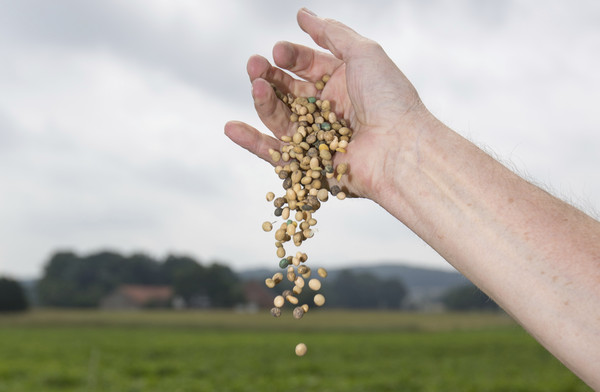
(71, 280)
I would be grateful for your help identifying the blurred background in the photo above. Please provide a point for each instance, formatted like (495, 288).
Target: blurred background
(112, 114)
(118, 188)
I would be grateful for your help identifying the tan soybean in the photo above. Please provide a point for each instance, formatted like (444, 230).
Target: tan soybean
(314, 284)
(322, 272)
(319, 299)
(304, 163)
(301, 349)
(279, 301)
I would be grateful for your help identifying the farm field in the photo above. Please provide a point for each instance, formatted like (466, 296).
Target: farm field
(228, 351)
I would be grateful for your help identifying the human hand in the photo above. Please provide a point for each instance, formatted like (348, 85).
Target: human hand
(366, 88)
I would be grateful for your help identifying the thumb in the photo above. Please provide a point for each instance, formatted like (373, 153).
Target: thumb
(339, 39)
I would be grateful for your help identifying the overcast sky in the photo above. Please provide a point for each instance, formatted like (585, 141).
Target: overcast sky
(112, 114)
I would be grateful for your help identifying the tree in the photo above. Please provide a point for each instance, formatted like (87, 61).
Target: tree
(73, 281)
(468, 297)
(172, 264)
(12, 296)
(58, 284)
(364, 291)
(223, 286)
(189, 281)
(143, 269)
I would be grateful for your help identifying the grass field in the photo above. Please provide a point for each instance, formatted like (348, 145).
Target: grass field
(226, 351)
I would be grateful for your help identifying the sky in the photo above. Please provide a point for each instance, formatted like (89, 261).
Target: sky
(112, 115)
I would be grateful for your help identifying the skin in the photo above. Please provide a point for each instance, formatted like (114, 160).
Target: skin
(536, 256)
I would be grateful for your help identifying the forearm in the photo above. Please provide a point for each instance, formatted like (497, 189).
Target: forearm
(538, 257)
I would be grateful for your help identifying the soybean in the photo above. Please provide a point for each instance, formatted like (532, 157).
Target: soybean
(278, 277)
(319, 299)
(279, 301)
(304, 163)
(283, 263)
(314, 284)
(298, 312)
(301, 349)
(322, 272)
(291, 299)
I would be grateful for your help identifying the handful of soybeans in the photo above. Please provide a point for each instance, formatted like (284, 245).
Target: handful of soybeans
(305, 164)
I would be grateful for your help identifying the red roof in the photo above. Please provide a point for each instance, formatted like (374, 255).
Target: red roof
(141, 294)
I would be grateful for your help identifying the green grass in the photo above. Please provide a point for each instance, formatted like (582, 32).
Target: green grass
(225, 351)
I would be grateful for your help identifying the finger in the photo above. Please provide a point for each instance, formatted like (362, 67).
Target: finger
(252, 140)
(305, 62)
(272, 111)
(259, 67)
(339, 39)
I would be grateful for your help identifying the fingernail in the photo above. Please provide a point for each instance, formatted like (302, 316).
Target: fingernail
(308, 11)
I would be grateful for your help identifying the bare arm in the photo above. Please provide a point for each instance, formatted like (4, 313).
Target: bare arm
(538, 257)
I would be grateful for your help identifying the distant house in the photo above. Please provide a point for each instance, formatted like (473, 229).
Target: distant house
(257, 295)
(128, 297)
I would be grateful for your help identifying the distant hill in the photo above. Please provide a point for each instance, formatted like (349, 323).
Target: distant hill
(424, 285)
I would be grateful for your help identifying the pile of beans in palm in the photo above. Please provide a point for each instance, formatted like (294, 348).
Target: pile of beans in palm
(305, 164)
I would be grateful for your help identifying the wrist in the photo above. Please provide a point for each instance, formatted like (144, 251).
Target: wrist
(411, 144)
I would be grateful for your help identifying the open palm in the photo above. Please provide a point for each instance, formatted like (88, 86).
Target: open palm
(365, 88)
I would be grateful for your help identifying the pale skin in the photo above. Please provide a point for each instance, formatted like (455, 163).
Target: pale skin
(536, 256)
